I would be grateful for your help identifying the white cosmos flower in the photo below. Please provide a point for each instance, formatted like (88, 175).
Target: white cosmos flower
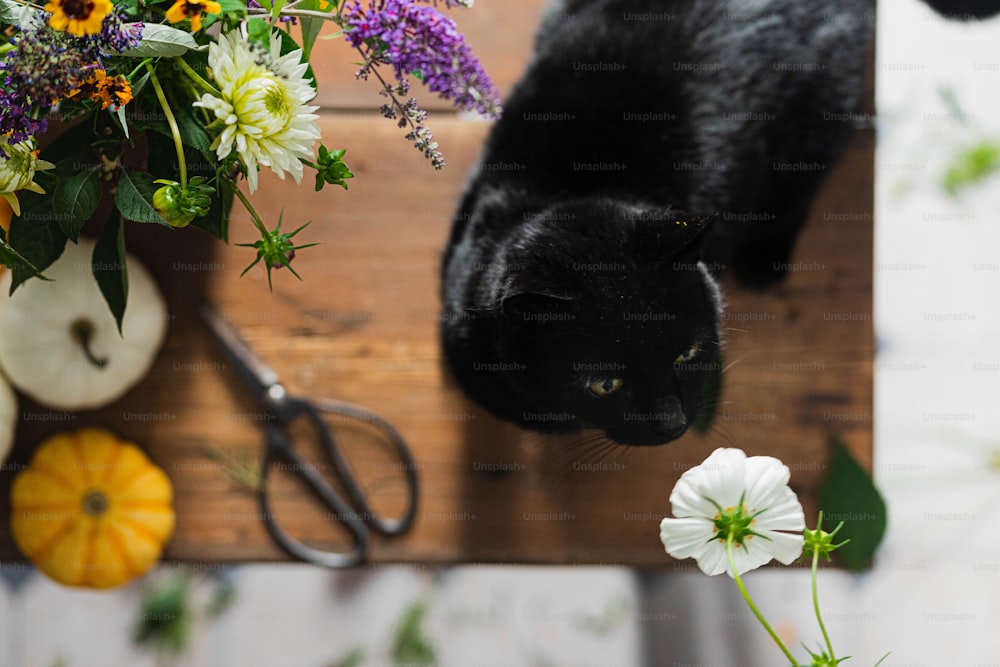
(262, 107)
(730, 492)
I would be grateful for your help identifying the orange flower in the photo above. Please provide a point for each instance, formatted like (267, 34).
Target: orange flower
(114, 92)
(78, 17)
(192, 9)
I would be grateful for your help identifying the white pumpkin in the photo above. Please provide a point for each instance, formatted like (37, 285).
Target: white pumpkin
(8, 418)
(59, 342)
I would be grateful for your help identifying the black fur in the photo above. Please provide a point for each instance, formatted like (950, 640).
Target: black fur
(965, 10)
(649, 144)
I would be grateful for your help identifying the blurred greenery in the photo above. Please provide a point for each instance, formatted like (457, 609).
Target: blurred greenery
(410, 646)
(165, 617)
(971, 165)
(974, 162)
(353, 659)
(606, 621)
(167, 612)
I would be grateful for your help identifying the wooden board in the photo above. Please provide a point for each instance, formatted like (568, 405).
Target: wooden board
(362, 327)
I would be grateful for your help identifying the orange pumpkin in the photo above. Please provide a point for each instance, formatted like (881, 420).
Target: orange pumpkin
(91, 510)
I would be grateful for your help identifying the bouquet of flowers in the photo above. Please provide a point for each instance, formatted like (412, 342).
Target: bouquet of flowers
(165, 106)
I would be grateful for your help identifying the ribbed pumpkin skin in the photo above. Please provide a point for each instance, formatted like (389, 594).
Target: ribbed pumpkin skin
(52, 527)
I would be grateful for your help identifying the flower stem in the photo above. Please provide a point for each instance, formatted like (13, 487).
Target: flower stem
(131, 75)
(753, 607)
(249, 207)
(171, 121)
(198, 79)
(819, 618)
(304, 13)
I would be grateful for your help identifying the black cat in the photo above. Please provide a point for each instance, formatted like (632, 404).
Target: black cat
(649, 144)
(965, 10)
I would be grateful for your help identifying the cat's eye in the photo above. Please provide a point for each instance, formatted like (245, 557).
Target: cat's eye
(690, 354)
(605, 386)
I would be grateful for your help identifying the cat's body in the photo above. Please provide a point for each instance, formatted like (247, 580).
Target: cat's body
(649, 144)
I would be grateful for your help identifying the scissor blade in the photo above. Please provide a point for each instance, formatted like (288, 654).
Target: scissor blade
(258, 375)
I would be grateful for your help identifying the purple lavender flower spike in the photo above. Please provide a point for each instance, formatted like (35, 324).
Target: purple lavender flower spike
(418, 40)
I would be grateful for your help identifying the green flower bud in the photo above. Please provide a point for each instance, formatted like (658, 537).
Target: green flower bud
(179, 205)
(330, 168)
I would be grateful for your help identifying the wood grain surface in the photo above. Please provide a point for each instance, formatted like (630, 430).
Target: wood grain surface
(362, 324)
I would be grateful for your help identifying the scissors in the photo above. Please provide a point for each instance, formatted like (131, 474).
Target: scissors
(282, 409)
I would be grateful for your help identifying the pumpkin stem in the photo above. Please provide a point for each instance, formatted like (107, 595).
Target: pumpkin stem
(82, 330)
(95, 503)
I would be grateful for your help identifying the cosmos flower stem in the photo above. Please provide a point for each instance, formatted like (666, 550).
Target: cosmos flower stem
(750, 603)
(249, 207)
(171, 121)
(198, 79)
(815, 596)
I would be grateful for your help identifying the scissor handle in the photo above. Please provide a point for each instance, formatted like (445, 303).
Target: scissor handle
(409, 465)
(276, 442)
(356, 520)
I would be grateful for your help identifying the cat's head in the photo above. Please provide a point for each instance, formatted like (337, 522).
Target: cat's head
(609, 319)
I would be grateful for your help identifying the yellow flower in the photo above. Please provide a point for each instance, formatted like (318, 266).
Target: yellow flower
(192, 9)
(78, 17)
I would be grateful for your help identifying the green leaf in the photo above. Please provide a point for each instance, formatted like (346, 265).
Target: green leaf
(134, 197)
(162, 41)
(76, 196)
(109, 267)
(236, 9)
(37, 236)
(193, 133)
(311, 27)
(122, 120)
(10, 12)
(12, 258)
(848, 494)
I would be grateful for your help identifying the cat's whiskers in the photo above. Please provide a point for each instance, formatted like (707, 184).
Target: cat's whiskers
(734, 362)
(591, 446)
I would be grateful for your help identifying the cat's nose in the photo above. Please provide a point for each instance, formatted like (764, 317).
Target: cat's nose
(668, 417)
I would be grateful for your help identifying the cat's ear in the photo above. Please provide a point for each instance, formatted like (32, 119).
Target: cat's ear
(685, 233)
(525, 309)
